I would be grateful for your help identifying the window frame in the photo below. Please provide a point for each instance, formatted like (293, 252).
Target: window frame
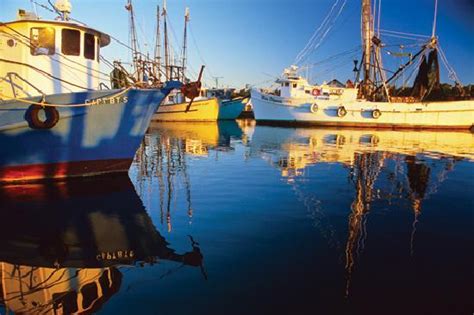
(68, 52)
(33, 47)
(92, 55)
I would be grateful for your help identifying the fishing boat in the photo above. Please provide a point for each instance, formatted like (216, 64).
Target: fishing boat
(58, 119)
(177, 108)
(69, 262)
(209, 105)
(231, 101)
(231, 109)
(372, 101)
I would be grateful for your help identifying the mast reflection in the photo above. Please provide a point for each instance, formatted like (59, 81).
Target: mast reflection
(62, 244)
(164, 157)
(383, 166)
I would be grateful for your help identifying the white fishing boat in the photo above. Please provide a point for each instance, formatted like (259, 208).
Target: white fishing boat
(372, 101)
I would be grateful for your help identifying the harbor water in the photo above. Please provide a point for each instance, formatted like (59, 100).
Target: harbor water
(238, 218)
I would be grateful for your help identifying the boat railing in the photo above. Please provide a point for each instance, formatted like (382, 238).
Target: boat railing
(11, 75)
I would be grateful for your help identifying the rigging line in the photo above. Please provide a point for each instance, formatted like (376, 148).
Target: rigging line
(44, 73)
(316, 33)
(452, 72)
(262, 82)
(404, 37)
(43, 6)
(339, 55)
(336, 66)
(323, 37)
(174, 35)
(403, 33)
(199, 52)
(410, 76)
(144, 37)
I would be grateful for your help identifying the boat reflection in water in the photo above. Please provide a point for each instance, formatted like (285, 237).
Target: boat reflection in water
(162, 158)
(291, 150)
(389, 170)
(62, 244)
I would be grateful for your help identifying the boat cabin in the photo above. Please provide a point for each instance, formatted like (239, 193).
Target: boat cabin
(48, 57)
(292, 85)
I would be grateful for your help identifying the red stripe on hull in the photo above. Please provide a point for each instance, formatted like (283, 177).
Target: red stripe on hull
(37, 172)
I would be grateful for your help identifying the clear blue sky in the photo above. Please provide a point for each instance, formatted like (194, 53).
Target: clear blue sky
(249, 41)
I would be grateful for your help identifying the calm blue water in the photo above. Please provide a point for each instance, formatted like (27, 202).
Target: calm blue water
(233, 218)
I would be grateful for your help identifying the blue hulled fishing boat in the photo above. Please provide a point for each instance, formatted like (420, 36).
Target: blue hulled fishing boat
(57, 117)
(231, 109)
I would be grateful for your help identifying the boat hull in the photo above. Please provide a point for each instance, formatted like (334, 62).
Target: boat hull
(200, 110)
(230, 110)
(87, 140)
(359, 113)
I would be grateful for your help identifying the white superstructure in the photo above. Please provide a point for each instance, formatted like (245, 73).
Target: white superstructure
(42, 57)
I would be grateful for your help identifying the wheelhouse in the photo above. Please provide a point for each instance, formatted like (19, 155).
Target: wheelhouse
(48, 57)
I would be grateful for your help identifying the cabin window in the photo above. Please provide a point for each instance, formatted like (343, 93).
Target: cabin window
(89, 46)
(307, 92)
(287, 84)
(42, 41)
(295, 85)
(71, 42)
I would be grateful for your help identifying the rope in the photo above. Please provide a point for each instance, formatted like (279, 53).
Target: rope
(44, 73)
(404, 33)
(452, 74)
(92, 103)
(321, 32)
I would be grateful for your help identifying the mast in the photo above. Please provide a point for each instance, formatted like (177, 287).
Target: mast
(158, 44)
(433, 33)
(133, 37)
(185, 40)
(367, 34)
(166, 43)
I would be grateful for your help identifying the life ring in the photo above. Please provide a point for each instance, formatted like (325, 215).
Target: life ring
(316, 92)
(341, 111)
(34, 121)
(376, 113)
(314, 108)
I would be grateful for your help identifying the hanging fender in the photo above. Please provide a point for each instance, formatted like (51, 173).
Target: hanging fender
(316, 92)
(341, 111)
(376, 113)
(34, 121)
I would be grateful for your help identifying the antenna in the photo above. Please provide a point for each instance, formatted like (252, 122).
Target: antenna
(217, 81)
